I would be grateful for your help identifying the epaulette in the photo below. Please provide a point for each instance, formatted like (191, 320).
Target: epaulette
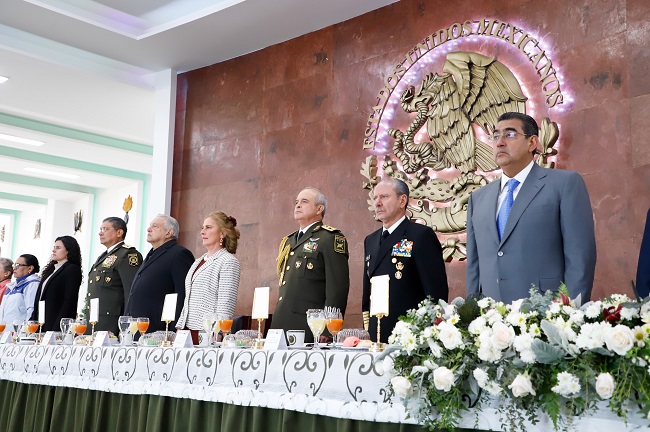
(330, 228)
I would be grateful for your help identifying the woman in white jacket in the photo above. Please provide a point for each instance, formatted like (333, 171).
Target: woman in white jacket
(18, 301)
(212, 282)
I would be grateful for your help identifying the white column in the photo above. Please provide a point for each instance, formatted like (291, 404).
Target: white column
(159, 198)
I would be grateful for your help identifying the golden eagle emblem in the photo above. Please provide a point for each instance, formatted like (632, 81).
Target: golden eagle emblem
(472, 93)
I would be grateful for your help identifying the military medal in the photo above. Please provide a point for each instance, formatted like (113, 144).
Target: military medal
(398, 275)
(298, 264)
(310, 266)
(108, 279)
(399, 266)
(109, 261)
(394, 260)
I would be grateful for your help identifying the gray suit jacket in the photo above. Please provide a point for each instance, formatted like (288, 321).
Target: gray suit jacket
(549, 238)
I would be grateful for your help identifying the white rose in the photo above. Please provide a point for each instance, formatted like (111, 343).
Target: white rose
(502, 335)
(484, 302)
(429, 364)
(605, 385)
(481, 377)
(402, 386)
(450, 336)
(521, 386)
(385, 367)
(436, 350)
(443, 378)
(619, 339)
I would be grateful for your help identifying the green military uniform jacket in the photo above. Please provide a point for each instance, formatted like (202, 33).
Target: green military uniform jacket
(313, 273)
(110, 280)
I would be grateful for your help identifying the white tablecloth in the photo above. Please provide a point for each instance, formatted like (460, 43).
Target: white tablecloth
(339, 384)
(336, 384)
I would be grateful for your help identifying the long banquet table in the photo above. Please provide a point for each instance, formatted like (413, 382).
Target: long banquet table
(78, 388)
(88, 388)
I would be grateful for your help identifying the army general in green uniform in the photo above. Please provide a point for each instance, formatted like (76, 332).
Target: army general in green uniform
(312, 266)
(111, 276)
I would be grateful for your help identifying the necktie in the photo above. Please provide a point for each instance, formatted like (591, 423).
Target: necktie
(383, 236)
(504, 211)
(298, 236)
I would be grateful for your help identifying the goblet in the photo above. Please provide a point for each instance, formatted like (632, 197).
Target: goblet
(225, 324)
(65, 327)
(17, 325)
(124, 322)
(334, 322)
(3, 326)
(316, 322)
(209, 320)
(80, 326)
(143, 325)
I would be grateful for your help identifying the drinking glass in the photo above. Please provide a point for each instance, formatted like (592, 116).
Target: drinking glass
(65, 325)
(17, 324)
(143, 325)
(316, 322)
(32, 327)
(225, 324)
(3, 326)
(124, 322)
(334, 322)
(80, 326)
(209, 320)
(133, 326)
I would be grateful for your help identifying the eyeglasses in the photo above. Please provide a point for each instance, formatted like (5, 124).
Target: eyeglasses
(18, 265)
(508, 136)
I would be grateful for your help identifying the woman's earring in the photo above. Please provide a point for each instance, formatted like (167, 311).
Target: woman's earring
(221, 242)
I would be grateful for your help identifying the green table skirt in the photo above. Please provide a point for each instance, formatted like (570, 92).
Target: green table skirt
(38, 408)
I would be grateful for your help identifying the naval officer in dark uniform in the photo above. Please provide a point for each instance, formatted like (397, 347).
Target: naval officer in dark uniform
(408, 252)
(111, 276)
(312, 266)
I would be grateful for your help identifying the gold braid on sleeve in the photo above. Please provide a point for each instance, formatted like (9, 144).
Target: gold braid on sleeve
(283, 254)
(366, 320)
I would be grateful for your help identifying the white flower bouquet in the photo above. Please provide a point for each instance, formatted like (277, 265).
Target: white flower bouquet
(545, 353)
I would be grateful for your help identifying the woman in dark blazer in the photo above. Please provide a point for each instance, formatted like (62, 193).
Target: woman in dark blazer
(60, 282)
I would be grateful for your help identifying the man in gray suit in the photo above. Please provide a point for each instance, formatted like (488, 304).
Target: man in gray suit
(534, 226)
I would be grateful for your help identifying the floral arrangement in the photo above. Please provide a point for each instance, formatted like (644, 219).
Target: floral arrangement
(545, 353)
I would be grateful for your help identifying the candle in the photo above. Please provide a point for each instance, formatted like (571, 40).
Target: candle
(169, 307)
(41, 312)
(261, 303)
(94, 310)
(379, 295)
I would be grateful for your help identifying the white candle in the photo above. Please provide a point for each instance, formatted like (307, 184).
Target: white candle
(261, 303)
(41, 312)
(169, 308)
(379, 295)
(94, 310)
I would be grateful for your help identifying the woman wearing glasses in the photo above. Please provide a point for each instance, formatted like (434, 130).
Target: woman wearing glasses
(18, 301)
(60, 282)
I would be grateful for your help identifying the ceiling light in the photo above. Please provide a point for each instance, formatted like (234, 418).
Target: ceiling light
(21, 140)
(3, 79)
(51, 173)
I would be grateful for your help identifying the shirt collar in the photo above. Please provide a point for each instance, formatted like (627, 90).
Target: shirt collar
(307, 228)
(114, 247)
(520, 176)
(394, 226)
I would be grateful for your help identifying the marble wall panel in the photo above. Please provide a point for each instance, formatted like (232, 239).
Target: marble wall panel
(252, 131)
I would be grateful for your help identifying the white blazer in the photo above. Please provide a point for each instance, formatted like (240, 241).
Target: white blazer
(213, 288)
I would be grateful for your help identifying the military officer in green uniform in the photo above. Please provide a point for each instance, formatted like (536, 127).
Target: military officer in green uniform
(312, 266)
(111, 276)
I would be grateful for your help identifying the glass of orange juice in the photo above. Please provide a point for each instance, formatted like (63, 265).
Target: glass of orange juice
(225, 324)
(334, 322)
(80, 326)
(143, 325)
(3, 326)
(32, 327)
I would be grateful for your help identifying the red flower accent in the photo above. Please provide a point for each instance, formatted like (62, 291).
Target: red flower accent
(437, 321)
(566, 301)
(612, 313)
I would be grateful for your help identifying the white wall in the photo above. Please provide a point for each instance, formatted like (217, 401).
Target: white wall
(7, 221)
(25, 243)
